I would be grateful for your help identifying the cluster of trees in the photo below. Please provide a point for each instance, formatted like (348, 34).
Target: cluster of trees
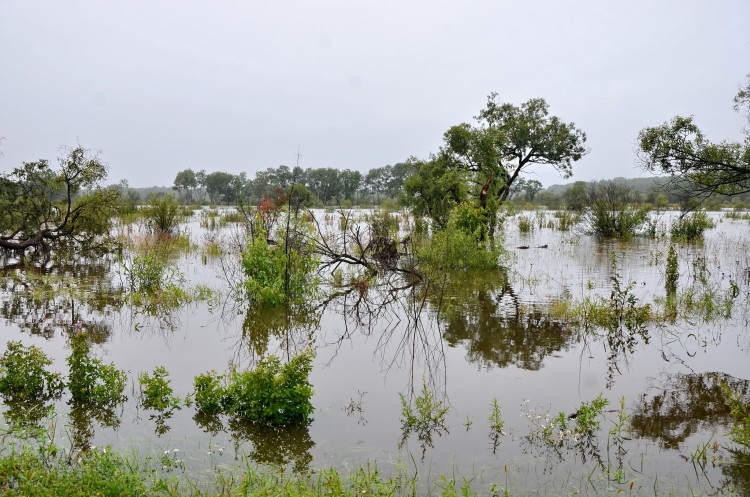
(478, 168)
(315, 185)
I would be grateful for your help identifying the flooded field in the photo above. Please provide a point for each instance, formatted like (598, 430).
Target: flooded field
(517, 386)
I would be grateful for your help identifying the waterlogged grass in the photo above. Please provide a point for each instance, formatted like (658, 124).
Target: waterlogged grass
(44, 472)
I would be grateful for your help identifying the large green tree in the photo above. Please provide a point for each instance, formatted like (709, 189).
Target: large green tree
(699, 167)
(507, 140)
(43, 209)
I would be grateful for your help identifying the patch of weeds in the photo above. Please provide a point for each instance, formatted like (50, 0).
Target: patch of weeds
(692, 227)
(525, 224)
(273, 393)
(496, 424)
(426, 418)
(564, 432)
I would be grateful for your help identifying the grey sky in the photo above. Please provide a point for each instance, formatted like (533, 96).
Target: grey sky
(160, 86)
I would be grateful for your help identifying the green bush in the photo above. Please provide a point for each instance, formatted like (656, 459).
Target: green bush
(163, 214)
(92, 382)
(209, 392)
(691, 227)
(273, 393)
(24, 377)
(156, 392)
(455, 247)
(149, 272)
(612, 214)
(278, 274)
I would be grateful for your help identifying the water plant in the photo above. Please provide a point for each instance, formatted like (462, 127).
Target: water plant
(24, 375)
(273, 393)
(277, 274)
(689, 228)
(425, 418)
(156, 392)
(496, 424)
(672, 272)
(90, 381)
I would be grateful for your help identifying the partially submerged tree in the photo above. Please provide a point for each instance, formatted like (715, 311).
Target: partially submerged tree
(506, 141)
(43, 209)
(697, 166)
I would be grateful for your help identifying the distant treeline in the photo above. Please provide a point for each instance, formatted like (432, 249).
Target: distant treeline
(330, 186)
(315, 186)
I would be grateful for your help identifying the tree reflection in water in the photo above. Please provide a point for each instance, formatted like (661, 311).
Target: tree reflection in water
(272, 445)
(481, 311)
(48, 303)
(682, 405)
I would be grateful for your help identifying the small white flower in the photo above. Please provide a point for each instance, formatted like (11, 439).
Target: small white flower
(166, 452)
(175, 450)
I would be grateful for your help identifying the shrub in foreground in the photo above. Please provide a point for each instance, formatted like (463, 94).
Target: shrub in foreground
(273, 393)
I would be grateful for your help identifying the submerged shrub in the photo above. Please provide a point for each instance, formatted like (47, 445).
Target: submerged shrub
(209, 392)
(149, 272)
(460, 245)
(156, 392)
(273, 393)
(24, 375)
(162, 214)
(278, 274)
(92, 382)
(691, 227)
(612, 214)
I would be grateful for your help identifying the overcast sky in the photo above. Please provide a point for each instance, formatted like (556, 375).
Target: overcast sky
(161, 86)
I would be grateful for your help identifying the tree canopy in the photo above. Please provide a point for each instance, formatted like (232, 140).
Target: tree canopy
(698, 166)
(493, 154)
(42, 208)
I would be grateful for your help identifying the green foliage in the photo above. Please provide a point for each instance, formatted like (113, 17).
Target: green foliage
(24, 375)
(92, 382)
(278, 274)
(691, 227)
(455, 247)
(613, 214)
(209, 392)
(672, 272)
(426, 418)
(163, 214)
(43, 209)
(496, 424)
(434, 190)
(156, 392)
(273, 393)
(149, 272)
(679, 148)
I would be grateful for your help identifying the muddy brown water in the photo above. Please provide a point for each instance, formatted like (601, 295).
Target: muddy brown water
(481, 337)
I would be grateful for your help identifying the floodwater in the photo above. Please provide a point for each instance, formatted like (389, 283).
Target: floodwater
(468, 339)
